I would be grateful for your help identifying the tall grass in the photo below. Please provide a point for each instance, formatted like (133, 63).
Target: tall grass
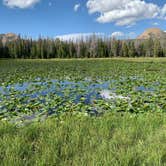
(114, 139)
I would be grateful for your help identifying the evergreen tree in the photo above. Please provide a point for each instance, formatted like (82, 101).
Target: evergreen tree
(132, 51)
(92, 47)
(158, 52)
(125, 50)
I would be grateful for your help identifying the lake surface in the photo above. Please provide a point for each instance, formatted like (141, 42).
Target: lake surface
(43, 93)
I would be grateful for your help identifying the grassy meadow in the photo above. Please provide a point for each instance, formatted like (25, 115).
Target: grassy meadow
(83, 112)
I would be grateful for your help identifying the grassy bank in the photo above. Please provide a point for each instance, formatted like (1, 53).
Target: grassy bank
(114, 139)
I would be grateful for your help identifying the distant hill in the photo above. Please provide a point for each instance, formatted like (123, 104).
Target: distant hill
(152, 33)
(8, 37)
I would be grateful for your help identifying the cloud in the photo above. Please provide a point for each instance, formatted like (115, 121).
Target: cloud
(163, 11)
(122, 35)
(78, 36)
(124, 12)
(76, 7)
(84, 36)
(23, 4)
(117, 35)
(155, 24)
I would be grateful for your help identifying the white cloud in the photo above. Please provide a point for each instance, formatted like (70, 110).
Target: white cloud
(117, 35)
(163, 11)
(156, 24)
(125, 12)
(122, 35)
(84, 36)
(78, 36)
(20, 3)
(76, 7)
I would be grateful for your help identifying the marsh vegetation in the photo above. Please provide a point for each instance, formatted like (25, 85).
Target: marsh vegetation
(83, 112)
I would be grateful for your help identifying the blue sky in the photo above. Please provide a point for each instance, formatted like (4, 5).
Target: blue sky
(58, 17)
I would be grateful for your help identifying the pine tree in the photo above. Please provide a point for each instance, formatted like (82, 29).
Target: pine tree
(157, 49)
(125, 50)
(132, 51)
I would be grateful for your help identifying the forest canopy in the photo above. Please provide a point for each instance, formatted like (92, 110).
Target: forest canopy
(92, 47)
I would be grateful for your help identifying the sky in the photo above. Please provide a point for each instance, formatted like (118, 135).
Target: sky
(67, 18)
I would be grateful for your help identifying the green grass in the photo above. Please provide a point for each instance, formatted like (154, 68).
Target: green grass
(128, 134)
(114, 139)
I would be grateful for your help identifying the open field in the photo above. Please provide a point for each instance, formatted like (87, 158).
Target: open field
(83, 112)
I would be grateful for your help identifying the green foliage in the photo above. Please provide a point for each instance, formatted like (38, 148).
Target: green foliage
(138, 87)
(114, 139)
(123, 133)
(93, 47)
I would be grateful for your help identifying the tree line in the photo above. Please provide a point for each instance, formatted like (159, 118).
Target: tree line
(92, 47)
